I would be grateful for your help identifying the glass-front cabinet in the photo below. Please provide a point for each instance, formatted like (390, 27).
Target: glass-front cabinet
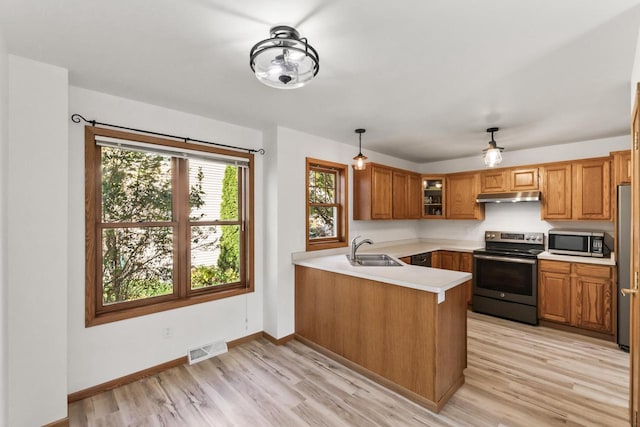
(433, 196)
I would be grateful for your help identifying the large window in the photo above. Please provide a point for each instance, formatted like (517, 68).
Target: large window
(168, 224)
(326, 204)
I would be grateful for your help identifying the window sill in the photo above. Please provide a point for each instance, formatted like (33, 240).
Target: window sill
(326, 245)
(114, 316)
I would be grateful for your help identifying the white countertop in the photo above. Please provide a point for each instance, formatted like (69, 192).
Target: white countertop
(399, 248)
(410, 276)
(611, 261)
(416, 277)
(407, 249)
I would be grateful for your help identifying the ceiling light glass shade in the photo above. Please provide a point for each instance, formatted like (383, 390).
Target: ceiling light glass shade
(360, 162)
(285, 61)
(492, 157)
(492, 154)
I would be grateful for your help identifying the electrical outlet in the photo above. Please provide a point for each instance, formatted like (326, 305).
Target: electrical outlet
(167, 332)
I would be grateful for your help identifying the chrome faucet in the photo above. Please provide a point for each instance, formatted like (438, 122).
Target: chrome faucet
(355, 246)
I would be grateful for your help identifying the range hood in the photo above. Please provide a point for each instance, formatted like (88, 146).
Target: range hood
(516, 196)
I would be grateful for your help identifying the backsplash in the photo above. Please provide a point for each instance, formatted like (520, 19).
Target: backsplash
(503, 217)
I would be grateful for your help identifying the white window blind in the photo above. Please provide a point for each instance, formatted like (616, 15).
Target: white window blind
(105, 141)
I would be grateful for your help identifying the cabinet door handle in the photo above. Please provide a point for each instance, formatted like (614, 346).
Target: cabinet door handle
(626, 291)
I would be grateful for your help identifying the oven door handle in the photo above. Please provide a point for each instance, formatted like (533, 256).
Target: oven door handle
(506, 259)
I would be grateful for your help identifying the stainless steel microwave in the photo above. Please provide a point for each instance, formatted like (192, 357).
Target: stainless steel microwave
(577, 242)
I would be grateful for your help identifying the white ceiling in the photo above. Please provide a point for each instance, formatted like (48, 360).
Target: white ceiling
(424, 77)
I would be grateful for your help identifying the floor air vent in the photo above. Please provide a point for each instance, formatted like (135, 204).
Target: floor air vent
(206, 351)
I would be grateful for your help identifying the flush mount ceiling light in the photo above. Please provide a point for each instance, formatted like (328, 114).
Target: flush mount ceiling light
(492, 154)
(360, 158)
(285, 61)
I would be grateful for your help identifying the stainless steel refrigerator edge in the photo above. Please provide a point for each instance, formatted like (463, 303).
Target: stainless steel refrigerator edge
(623, 252)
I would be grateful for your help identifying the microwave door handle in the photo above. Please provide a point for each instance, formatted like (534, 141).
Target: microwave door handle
(506, 259)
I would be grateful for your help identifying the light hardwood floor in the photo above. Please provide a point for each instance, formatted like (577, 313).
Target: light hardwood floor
(517, 375)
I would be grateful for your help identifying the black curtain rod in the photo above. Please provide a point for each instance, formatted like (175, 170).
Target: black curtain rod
(76, 118)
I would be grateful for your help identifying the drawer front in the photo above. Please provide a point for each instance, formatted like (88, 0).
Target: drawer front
(555, 266)
(590, 270)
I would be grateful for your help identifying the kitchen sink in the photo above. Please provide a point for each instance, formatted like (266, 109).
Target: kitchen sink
(373, 260)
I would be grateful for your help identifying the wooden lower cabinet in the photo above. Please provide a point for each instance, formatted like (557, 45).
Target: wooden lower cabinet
(400, 337)
(554, 294)
(466, 265)
(592, 291)
(456, 261)
(578, 295)
(449, 260)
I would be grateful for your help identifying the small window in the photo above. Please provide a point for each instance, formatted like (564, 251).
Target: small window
(168, 224)
(326, 204)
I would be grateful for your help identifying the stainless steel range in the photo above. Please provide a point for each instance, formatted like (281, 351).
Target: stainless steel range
(505, 275)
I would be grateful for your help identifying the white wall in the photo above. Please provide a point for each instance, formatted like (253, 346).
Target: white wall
(286, 188)
(102, 353)
(517, 216)
(4, 77)
(271, 210)
(635, 74)
(37, 242)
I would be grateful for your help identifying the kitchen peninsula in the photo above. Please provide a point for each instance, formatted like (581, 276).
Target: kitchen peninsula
(404, 327)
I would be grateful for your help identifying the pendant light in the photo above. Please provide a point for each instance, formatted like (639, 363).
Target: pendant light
(360, 159)
(284, 61)
(492, 154)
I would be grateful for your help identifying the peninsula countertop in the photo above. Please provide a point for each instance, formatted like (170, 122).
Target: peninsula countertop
(410, 276)
(398, 249)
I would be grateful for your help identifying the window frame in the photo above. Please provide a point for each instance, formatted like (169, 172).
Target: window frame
(96, 312)
(342, 203)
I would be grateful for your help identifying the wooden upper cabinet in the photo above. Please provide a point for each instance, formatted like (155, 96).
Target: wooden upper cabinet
(592, 189)
(512, 179)
(400, 194)
(494, 181)
(622, 167)
(372, 193)
(415, 196)
(382, 192)
(523, 179)
(579, 190)
(406, 195)
(556, 191)
(433, 196)
(462, 191)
